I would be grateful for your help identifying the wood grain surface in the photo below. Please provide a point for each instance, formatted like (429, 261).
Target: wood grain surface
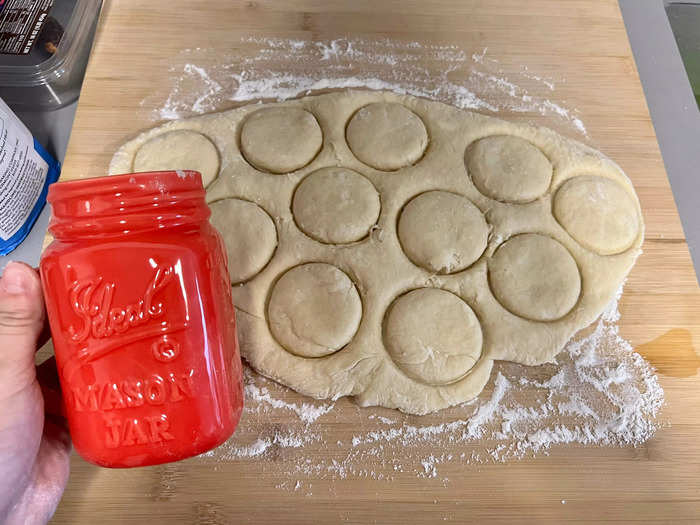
(580, 40)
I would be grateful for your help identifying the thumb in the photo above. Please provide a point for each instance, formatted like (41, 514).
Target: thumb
(21, 321)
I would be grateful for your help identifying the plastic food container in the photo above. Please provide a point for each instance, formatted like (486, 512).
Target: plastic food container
(44, 49)
(139, 302)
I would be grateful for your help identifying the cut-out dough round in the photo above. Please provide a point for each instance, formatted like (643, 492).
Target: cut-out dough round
(329, 333)
(597, 212)
(336, 206)
(442, 232)
(508, 169)
(281, 139)
(314, 310)
(535, 277)
(179, 150)
(387, 136)
(433, 336)
(249, 234)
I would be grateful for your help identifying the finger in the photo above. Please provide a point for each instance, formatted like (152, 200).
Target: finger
(21, 321)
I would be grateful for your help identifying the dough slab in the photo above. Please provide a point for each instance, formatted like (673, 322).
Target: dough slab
(391, 248)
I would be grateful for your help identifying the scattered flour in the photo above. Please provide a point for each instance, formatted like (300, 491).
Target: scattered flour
(383, 419)
(307, 412)
(599, 391)
(205, 80)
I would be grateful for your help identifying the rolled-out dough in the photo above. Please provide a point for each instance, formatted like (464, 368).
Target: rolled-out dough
(280, 139)
(181, 150)
(249, 235)
(442, 232)
(534, 277)
(391, 248)
(336, 206)
(508, 169)
(598, 213)
(386, 136)
(314, 310)
(433, 336)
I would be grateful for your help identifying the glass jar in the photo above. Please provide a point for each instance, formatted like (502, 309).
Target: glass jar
(139, 303)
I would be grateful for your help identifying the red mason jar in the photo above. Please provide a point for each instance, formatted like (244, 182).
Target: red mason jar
(139, 302)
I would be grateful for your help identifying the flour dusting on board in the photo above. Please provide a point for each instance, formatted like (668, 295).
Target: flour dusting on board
(204, 80)
(598, 392)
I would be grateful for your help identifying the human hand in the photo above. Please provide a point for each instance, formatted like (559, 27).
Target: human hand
(34, 440)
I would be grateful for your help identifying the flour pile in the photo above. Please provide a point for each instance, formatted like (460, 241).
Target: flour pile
(599, 391)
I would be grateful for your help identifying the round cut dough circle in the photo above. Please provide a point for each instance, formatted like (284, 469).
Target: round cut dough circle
(249, 234)
(314, 310)
(597, 212)
(433, 336)
(386, 136)
(179, 150)
(535, 277)
(280, 139)
(336, 206)
(508, 169)
(442, 232)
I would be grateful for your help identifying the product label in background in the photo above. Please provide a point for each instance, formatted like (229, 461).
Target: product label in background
(20, 24)
(26, 170)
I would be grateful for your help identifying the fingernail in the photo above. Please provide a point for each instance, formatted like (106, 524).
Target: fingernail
(15, 279)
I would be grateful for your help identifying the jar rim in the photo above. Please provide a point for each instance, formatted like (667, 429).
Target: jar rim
(147, 182)
(126, 204)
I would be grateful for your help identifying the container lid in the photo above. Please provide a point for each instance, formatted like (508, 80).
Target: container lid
(40, 38)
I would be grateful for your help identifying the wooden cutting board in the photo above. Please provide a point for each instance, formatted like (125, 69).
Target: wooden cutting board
(579, 40)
